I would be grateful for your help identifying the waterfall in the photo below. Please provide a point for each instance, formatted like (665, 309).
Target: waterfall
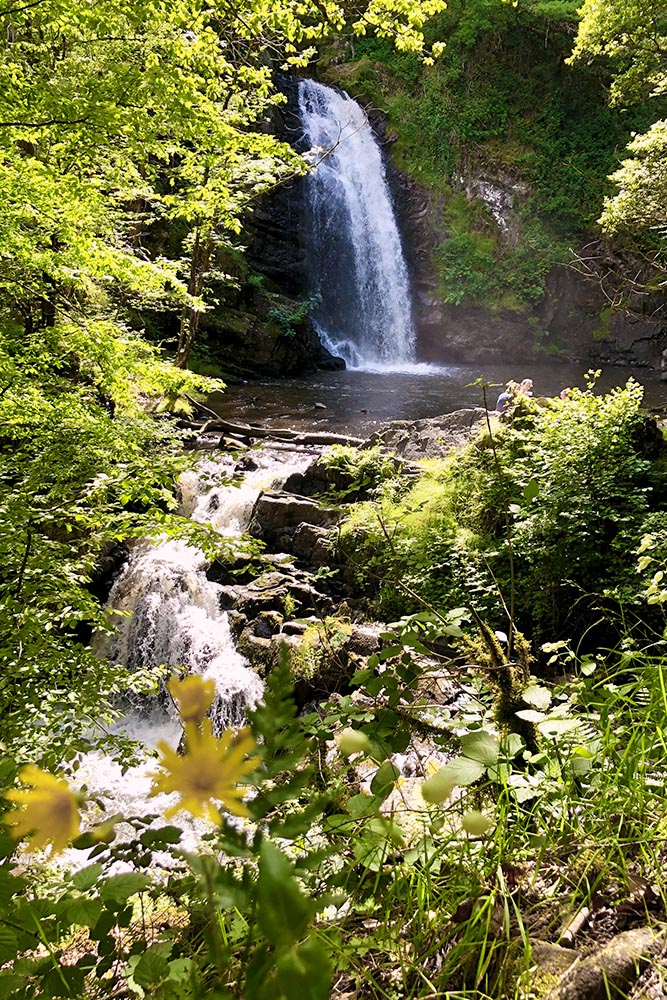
(358, 276)
(166, 610)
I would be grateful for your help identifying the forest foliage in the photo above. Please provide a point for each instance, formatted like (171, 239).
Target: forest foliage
(132, 144)
(322, 866)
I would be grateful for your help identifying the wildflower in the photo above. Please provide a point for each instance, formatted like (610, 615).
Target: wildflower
(193, 695)
(50, 810)
(209, 769)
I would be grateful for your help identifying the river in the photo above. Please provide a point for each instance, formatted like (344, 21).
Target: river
(358, 402)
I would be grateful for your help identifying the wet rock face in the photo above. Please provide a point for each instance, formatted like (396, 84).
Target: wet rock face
(276, 247)
(277, 516)
(573, 321)
(267, 336)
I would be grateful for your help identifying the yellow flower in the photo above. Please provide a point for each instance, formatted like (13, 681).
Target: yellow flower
(209, 769)
(50, 810)
(194, 696)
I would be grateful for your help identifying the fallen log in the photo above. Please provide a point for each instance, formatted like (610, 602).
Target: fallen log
(277, 433)
(198, 405)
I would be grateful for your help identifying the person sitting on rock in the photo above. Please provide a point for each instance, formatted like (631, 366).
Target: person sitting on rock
(506, 397)
(526, 387)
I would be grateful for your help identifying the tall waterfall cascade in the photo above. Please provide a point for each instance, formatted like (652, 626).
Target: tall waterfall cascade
(358, 276)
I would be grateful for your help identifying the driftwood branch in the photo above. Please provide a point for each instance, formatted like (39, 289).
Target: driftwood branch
(201, 407)
(285, 434)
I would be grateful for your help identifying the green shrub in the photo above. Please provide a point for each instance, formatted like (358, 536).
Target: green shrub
(570, 481)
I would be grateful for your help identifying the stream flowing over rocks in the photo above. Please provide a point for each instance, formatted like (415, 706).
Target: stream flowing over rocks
(230, 619)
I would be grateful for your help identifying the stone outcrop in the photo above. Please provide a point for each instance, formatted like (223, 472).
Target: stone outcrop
(267, 334)
(277, 517)
(574, 320)
(295, 599)
(321, 480)
(433, 437)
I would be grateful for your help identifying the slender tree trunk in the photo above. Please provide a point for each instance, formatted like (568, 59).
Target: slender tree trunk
(199, 268)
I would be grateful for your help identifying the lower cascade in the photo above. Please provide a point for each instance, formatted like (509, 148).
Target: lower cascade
(358, 275)
(169, 613)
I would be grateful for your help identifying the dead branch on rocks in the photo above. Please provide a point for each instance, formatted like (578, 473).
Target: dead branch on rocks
(255, 431)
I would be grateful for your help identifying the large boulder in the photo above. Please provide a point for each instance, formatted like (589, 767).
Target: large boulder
(433, 437)
(277, 516)
(275, 591)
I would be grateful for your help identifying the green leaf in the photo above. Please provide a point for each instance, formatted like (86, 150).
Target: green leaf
(531, 490)
(481, 746)
(10, 885)
(558, 727)
(305, 972)
(10, 985)
(530, 715)
(119, 888)
(461, 771)
(7, 845)
(384, 779)
(8, 944)
(153, 967)
(163, 835)
(84, 912)
(87, 877)
(512, 744)
(537, 696)
(361, 805)
(283, 910)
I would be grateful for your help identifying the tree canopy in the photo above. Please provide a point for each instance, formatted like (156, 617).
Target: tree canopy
(633, 34)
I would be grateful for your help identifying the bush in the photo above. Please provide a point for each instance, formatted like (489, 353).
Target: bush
(543, 516)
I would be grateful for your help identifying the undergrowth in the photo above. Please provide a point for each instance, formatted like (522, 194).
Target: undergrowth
(469, 795)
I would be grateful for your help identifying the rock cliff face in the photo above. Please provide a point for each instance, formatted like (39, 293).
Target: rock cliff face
(266, 331)
(276, 247)
(574, 320)
(267, 335)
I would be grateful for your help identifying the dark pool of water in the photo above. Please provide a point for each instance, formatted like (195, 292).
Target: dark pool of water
(359, 402)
